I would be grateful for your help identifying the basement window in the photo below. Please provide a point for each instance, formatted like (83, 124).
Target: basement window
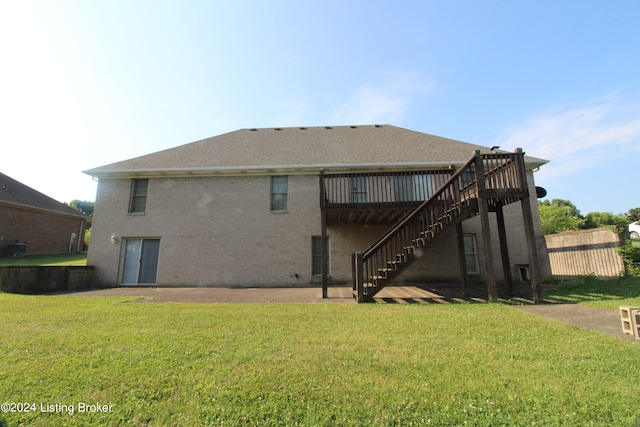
(523, 273)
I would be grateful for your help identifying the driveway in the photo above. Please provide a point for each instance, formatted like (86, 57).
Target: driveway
(582, 316)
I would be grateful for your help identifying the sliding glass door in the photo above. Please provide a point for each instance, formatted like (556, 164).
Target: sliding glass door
(140, 261)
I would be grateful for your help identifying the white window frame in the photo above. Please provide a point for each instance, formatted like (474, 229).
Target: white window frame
(473, 253)
(133, 264)
(277, 198)
(138, 193)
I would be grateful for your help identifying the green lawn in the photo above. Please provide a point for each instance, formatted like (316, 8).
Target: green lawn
(45, 260)
(159, 364)
(609, 294)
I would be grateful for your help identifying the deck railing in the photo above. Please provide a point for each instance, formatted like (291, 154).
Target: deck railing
(505, 179)
(381, 189)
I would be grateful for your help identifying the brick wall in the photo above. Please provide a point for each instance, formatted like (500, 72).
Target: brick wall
(33, 280)
(219, 231)
(584, 252)
(44, 232)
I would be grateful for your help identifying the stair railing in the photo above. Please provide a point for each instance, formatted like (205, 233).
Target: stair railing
(405, 238)
(386, 257)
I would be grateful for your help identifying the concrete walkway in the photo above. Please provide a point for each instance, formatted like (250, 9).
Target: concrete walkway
(224, 295)
(592, 318)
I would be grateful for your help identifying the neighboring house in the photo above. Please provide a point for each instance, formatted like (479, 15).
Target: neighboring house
(33, 222)
(253, 208)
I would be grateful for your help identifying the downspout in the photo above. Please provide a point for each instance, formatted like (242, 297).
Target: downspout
(80, 236)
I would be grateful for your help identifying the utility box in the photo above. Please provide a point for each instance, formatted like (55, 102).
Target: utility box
(16, 249)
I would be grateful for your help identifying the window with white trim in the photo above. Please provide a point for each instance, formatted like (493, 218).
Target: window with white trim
(138, 201)
(471, 253)
(279, 193)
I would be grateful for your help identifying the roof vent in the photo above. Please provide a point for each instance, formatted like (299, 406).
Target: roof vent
(378, 126)
(353, 127)
(253, 129)
(303, 128)
(328, 127)
(278, 128)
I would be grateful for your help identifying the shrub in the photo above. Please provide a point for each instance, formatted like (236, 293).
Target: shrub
(631, 257)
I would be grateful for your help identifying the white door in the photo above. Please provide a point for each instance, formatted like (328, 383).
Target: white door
(140, 261)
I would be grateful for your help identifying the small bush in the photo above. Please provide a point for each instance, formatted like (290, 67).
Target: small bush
(631, 257)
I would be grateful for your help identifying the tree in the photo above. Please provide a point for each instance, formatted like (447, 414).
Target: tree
(84, 206)
(559, 215)
(633, 214)
(605, 219)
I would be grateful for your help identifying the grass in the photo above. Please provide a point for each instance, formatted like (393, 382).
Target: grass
(46, 260)
(589, 290)
(162, 364)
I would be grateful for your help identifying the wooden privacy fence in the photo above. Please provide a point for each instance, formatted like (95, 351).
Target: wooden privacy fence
(585, 252)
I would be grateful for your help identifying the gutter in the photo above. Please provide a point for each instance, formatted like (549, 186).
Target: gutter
(279, 169)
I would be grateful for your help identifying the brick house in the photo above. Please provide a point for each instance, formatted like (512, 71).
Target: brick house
(44, 224)
(253, 207)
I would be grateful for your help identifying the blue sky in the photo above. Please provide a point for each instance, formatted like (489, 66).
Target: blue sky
(87, 83)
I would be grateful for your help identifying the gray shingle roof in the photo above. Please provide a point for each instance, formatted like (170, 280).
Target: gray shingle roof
(305, 148)
(14, 192)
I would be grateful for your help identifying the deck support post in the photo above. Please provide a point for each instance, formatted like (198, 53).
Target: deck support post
(359, 282)
(464, 279)
(483, 209)
(534, 265)
(323, 238)
(504, 251)
(529, 231)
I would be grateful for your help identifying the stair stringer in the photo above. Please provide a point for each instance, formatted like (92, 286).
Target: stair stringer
(420, 242)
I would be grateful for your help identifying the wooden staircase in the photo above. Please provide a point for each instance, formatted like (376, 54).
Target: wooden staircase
(461, 197)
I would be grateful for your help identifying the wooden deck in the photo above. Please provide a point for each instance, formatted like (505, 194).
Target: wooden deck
(419, 205)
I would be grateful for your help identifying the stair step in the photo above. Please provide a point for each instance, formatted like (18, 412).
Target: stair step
(419, 243)
(384, 272)
(394, 264)
(429, 232)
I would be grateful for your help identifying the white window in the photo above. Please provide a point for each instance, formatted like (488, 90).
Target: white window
(358, 190)
(279, 193)
(138, 201)
(471, 253)
(411, 188)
